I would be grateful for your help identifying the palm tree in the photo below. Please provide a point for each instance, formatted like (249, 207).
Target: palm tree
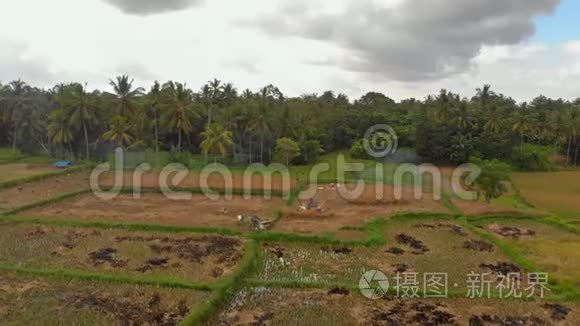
(179, 110)
(119, 131)
(217, 140)
(572, 126)
(556, 130)
(462, 117)
(523, 121)
(17, 102)
(83, 111)
(492, 119)
(59, 131)
(155, 98)
(444, 105)
(260, 121)
(484, 95)
(125, 94)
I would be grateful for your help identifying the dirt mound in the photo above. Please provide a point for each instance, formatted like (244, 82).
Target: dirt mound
(339, 291)
(454, 229)
(106, 255)
(557, 312)
(192, 249)
(503, 268)
(512, 232)
(395, 251)
(413, 243)
(509, 320)
(415, 314)
(132, 310)
(401, 268)
(338, 251)
(478, 245)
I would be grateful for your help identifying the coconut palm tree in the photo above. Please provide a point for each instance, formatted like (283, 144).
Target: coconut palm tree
(59, 129)
(179, 111)
(83, 110)
(119, 131)
(216, 140)
(571, 127)
(17, 101)
(463, 119)
(155, 99)
(556, 130)
(493, 120)
(125, 93)
(484, 95)
(444, 105)
(523, 121)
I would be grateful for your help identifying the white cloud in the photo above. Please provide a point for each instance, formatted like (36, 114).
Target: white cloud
(91, 41)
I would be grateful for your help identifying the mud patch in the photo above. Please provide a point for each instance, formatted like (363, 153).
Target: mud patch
(106, 255)
(503, 268)
(478, 245)
(338, 251)
(557, 312)
(413, 314)
(339, 291)
(511, 231)
(129, 311)
(509, 320)
(408, 240)
(192, 249)
(395, 251)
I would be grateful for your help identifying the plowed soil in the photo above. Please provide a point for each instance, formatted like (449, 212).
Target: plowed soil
(343, 211)
(155, 208)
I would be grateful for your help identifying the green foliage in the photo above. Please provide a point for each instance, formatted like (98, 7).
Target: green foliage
(287, 150)
(493, 178)
(528, 157)
(357, 150)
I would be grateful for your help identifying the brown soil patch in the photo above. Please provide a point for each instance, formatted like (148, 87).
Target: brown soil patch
(340, 211)
(133, 311)
(338, 307)
(503, 268)
(511, 231)
(193, 180)
(45, 189)
(19, 170)
(155, 208)
(478, 245)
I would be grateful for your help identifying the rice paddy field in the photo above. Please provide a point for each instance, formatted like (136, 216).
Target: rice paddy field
(68, 257)
(557, 192)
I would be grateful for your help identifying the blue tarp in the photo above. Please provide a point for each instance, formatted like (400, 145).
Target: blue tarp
(63, 164)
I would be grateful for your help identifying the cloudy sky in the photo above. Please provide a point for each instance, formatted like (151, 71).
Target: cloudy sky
(403, 48)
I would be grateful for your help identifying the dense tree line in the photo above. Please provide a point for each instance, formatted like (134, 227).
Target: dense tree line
(253, 126)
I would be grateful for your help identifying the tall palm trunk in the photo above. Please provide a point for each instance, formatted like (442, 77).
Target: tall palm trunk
(14, 139)
(179, 141)
(568, 151)
(86, 139)
(262, 148)
(554, 153)
(251, 159)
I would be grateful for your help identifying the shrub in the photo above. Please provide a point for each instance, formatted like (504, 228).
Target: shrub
(494, 175)
(528, 157)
